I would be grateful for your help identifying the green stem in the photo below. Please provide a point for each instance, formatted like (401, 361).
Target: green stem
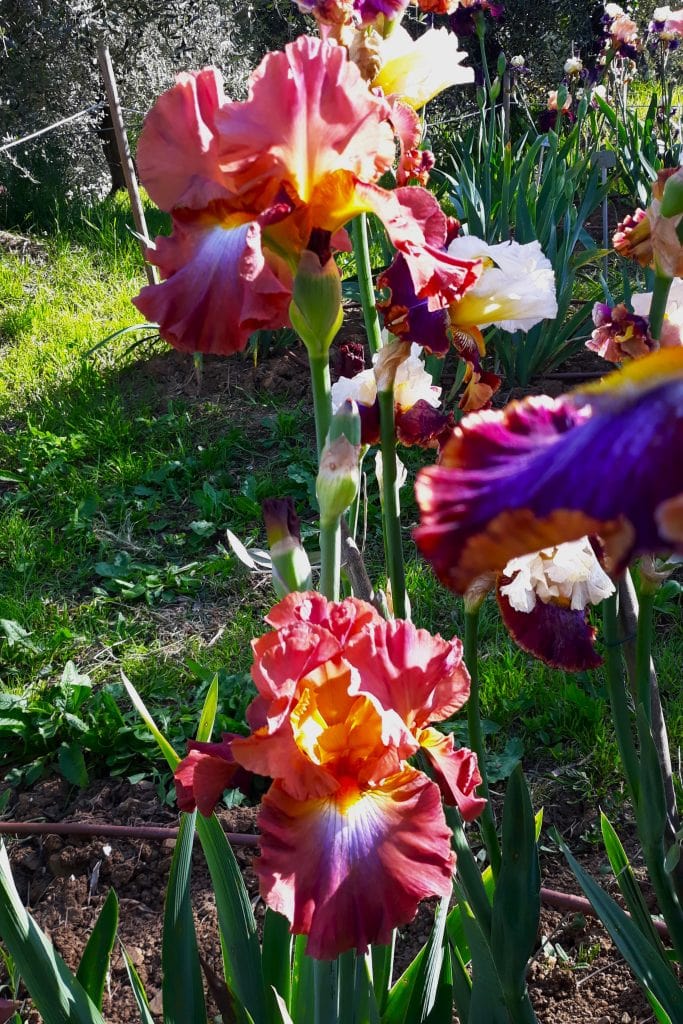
(616, 690)
(643, 652)
(361, 250)
(660, 294)
(322, 399)
(330, 559)
(487, 821)
(390, 509)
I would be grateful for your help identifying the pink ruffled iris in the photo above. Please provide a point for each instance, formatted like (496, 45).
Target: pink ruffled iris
(352, 836)
(247, 185)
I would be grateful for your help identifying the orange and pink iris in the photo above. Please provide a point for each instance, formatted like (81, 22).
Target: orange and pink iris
(352, 835)
(250, 185)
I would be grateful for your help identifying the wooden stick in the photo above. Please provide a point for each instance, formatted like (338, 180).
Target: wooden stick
(111, 89)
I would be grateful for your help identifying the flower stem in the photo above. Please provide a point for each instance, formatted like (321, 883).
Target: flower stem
(330, 560)
(390, 509)
(322, 400)
(476, 738)
(643, 652)
(616, 690)
(361, 250)
(660, 294)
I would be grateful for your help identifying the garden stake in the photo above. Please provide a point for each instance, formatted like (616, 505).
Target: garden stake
(109, 80)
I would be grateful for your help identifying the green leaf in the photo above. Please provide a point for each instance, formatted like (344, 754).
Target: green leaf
(183, 991)
(432, 994)
(642, 957)
(487, 1002)
(239, 939)
(17, 636)
(300, 1005)
(276, 956)
(57, 995)
(454, 921)
(517, 898)
(208, 715)
(94, 966)
(139, 705)
(628, 886)
(72, 764)
(138, 988)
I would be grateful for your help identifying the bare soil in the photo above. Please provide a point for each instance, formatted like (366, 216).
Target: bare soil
(576, 976)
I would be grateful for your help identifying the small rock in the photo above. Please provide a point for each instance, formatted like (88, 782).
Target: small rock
(137, 956)
(626, 1018)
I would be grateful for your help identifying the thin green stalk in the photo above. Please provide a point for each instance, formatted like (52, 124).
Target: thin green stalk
(487, 821)
(322, 400)
(361, 250)
(660, 294)
(330, 560)
(643, 652)
(390, 509)
(616, 690)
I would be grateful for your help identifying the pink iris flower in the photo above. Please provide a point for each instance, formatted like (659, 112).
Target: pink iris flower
(250, 185)
(353, 836)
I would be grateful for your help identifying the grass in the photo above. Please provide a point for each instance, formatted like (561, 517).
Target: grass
(113, 510)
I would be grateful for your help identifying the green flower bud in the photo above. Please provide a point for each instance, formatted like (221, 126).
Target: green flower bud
(316, 310)
(291, 567)
(672, 200)
(339, 473)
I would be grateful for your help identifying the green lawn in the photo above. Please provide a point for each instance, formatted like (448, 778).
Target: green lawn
(113, 507)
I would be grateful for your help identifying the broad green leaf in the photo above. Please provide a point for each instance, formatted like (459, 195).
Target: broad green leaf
(300, 1005)
(276, 955)
(182, 988)
(487, 1001)
(57, 995)
(138, 988)
(642, 957)
(517, 897)
(239, 940)
(72, 764)
(382, 965)
(94, 966)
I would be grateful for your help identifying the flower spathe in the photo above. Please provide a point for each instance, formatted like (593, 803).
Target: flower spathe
(352, 836)
(249, 184)
(602, 460)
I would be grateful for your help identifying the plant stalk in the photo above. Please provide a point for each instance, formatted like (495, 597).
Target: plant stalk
(330, 559)
(660, 294)
(643, 653)
(487, 821)
(390, 507)
(616, 690)
(361, 250)
(322, 396)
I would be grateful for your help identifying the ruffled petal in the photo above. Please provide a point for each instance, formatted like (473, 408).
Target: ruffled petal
(423, 425)
(457, 772)
(418, 70)
(177, 153)
(421, 677)
(342, 618)
(203, 775)
(309, 114)
(408, 317)
(557, 635)
(219, 289)
(601, 461)
(348, 869)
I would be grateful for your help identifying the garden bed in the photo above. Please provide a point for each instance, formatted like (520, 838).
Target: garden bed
(576, 976)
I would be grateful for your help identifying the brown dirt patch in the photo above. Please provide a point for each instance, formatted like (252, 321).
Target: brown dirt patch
(576, 976)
